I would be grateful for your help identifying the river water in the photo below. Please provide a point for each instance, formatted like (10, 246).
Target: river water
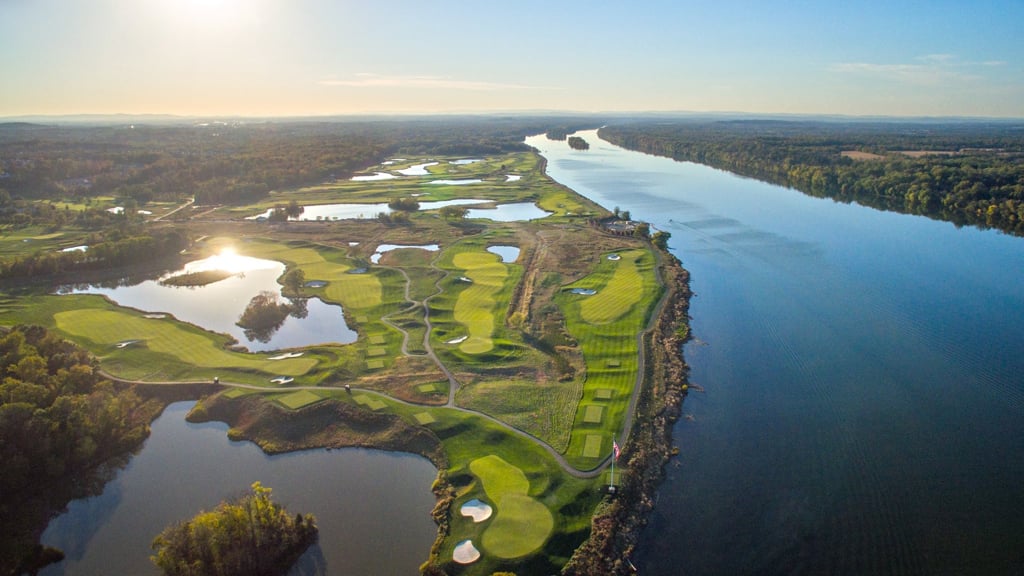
(864, 411)
(372, 507)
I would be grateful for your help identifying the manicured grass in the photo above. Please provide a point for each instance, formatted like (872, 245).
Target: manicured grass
(374, 364)
(476, 304)
(424, 418)
(623, 290)
(298, 399)
(520, 524)
(109, 327)
(593, 414)
(378, 339)
(607, 336)
(592, 448)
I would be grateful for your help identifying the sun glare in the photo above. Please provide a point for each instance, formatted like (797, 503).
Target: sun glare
(229, 260)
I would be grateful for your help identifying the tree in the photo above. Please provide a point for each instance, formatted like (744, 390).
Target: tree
(294, 280)
(457, 213)
(294, 210)
(251, 536)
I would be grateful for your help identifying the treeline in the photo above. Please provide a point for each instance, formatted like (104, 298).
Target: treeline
(110, 251)
(59, 420)
(221, 163)
(250, 536)
(965, 173)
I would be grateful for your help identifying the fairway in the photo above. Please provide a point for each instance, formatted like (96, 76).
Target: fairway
(475, 306)
(620, 293)
(166, 337)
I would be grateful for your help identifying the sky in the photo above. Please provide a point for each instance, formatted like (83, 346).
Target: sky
(332, 57)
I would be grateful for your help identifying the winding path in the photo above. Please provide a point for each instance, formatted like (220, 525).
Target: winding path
(453, 381)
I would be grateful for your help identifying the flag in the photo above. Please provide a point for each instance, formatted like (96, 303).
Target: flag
(615, 449)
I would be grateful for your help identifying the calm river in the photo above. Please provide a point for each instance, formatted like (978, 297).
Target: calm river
(864, 411)
(372, 507)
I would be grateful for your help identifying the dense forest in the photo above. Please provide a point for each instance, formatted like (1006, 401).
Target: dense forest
(59, 421)
(250, 536)
(228, 162)
(968, 173)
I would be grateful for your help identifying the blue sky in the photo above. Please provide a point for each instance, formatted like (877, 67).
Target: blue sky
(311, 57)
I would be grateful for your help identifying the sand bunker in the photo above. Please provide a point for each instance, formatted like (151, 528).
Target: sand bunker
(458, 340)
(285, 356)
(477, 510)
(125, 344)
(155, 316)
(465, 552)
(282, 380)
(614, 257)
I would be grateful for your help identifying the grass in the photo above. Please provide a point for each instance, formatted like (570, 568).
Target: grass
(108, 327)
(606, 326)
(619, 293)
(299, 399)
(593, 414)
(520, 524)
(476, 305)
(545, 410)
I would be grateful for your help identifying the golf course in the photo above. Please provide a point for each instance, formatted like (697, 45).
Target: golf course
(517, 372)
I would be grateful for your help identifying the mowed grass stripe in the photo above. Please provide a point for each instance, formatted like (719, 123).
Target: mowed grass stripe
(622, 291)
(475, 305)
(163, 336)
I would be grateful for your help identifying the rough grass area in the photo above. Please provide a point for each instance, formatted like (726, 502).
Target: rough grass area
(545, 410)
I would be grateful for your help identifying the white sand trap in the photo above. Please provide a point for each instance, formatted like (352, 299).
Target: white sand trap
(125, 344)
(614, 257)
(155, 316)
(465, 552)
(512, 177)
(458, 340)
(477, 510)
(464, 279)
(282, 380)
(285, 356)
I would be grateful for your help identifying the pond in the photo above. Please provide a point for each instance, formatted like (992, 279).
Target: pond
(372, 507)
(507, 253)
(217, 306)
(360, 211)
(373, 177)
(515, 212)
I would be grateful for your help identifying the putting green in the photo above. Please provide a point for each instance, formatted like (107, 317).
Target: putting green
(521, 524)
(167, 337)
(475, 306)
(623, 290)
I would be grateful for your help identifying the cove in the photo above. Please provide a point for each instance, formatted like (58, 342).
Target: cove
(217, 306)
(864, 411)
(372, 507)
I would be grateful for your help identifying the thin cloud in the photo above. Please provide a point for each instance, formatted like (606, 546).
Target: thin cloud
(927, 69)
(367, 80)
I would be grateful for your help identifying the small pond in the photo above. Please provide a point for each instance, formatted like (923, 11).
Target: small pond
(464, 161)
(360, 211)
(374, 177)
(217, 306)
(514, 212)
(507, 253)
(372, 507)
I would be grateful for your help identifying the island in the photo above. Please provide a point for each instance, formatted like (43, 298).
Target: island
(524, 339)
